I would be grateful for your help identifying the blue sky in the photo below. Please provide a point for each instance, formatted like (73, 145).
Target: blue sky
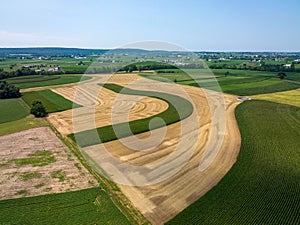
(225, 25)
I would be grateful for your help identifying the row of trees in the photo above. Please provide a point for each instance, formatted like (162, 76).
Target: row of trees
(262, 67)
(8, 90)
(146, 66)
(25, 72)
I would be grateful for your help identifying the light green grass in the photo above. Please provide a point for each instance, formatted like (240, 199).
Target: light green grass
(286, 97)
(263, 185)
(38, 158)
(41, 80)
(12, 109)
(53, 102)
(59, 174)
(26, 176)
(22, 124)
(178, 109)
(89, 206)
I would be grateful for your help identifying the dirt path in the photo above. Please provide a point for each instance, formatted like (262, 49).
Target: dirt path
(181, 147)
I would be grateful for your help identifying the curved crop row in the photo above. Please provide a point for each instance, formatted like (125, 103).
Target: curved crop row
(179, 109)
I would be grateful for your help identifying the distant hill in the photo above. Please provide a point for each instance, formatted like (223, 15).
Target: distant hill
(50, 51)
(74, 51)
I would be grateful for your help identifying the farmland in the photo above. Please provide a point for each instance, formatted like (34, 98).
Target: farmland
(12, 109)
(251, 178)
(22, 124)
(89, 206)
(171, 115)
(41, 165)
(237, 82)
(263, 186)
(286, 97)
(52, 101)
(44, 80)
(180, 190)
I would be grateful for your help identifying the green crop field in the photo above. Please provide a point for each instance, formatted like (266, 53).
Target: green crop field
(53, 102)
(90, 206)
(179, 108)
(263, 186)
(12, 109)
(43, 80)
(238, 82)
(22, 124)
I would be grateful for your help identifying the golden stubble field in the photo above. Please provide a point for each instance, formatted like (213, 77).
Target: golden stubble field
(158, 199)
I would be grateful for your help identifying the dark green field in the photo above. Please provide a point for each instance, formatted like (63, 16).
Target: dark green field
(263, 187)
(90, 206)
(53, 102)
(179, 108)
(237, 82)
(12, 109)
(43, 80)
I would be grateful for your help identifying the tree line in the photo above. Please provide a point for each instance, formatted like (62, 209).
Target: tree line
(8, 90)
(262, 67)
(25, 72)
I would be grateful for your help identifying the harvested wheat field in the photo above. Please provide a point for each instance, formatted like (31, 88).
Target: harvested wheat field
(167, 169)
(35, 162)
(97, 112)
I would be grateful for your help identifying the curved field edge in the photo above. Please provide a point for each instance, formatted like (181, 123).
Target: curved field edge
(89, 206)
(263, 185)
(43, 80)
(178, 109)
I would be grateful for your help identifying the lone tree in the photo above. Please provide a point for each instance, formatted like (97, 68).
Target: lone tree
(281, 75)
(37, 109)
(227, 73)
(9, 90)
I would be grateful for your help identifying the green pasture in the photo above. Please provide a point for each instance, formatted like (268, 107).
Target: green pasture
(12, 109)
(52, 102)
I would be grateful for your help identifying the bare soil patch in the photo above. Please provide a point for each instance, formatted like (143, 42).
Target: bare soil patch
(35, 162)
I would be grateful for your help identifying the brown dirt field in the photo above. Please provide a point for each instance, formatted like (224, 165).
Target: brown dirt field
(161, 201)
(22, 174)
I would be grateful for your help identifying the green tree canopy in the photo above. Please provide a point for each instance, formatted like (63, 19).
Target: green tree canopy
(37, 109)
(281, 75)
(8, 90)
